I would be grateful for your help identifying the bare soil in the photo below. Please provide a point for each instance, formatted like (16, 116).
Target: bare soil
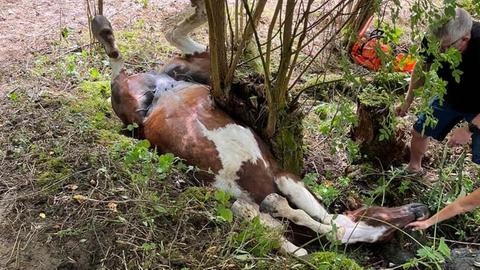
(41, 225)
(28, 29)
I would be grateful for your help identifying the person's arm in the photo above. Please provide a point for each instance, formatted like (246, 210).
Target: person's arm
(476, 121)
(417, 80)
(463, 135)
(460, 136)
(459, 206)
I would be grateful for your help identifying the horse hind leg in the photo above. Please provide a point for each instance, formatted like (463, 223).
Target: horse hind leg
(248, 211)
(178, 36)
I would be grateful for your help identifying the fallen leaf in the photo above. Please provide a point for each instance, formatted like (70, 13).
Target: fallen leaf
(112, 206)
(212, 250)
(79, 198)
(72, 187)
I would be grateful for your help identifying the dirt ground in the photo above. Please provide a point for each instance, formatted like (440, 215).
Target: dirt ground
(29, 28)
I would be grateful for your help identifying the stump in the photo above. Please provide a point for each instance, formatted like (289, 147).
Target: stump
(378, 139)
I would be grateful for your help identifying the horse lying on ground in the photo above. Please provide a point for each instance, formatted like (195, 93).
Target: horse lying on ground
(180, 117)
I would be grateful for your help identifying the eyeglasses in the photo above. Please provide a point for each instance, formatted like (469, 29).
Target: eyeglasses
(454, 42)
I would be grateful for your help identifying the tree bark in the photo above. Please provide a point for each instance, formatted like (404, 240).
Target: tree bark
(218, 54)
(385, 152)
(364, 9)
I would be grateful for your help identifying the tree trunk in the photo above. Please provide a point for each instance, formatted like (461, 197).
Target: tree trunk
(364, 9)
(287, 143)
(254, 101)
(218, 54)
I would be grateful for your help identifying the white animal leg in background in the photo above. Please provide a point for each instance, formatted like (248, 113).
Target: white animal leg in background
(248, 210)
(277, 206)
(303, 198)
(178, 36)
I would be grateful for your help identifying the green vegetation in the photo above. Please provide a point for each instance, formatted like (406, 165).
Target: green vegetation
(331, 261)
(83, 182)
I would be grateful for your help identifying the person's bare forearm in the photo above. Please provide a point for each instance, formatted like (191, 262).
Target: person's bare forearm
(476, 121)
(459, 206)
(417, 80)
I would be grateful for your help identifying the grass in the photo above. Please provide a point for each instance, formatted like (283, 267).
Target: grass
(121, 203)
(90, 192)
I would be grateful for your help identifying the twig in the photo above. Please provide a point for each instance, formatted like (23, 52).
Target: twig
(456, 242)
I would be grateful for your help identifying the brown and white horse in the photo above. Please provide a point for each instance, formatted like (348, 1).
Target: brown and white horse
(177, 114)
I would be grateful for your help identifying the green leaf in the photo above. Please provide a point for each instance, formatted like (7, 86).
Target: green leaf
(222, 197)
(443, 248)
(143, 144)
(149, 246)
(65, 32)
(225, 213)
(94, 74)
(132, 126)
(165, 162)
(160, 209)
(243, 257)
(122, 220)
(13, 96)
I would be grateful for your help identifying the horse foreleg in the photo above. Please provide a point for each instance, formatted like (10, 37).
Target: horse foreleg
(178, 36)
(278, 206)
(247, 210)
(298, 194)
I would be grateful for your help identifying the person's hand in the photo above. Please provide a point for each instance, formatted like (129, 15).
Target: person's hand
(418, 225)
(460, 136)
(401, 110)
(476, 121)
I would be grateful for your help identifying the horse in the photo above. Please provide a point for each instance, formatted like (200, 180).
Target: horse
(177, 114)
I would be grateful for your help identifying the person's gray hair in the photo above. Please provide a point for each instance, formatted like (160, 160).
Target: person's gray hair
(455, 28)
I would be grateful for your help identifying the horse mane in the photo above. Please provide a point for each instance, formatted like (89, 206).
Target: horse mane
(190, 56)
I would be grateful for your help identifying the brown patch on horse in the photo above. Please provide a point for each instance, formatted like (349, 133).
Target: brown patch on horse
(188, 106)
(190, 68)
(256, 179)
(125, 102)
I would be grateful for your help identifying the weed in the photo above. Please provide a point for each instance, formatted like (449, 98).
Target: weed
(68, 233)
(255, 239)
(144, 3)
(330, 261)
(13, 96)
(430, 255)
(223, 213)
(327, 190)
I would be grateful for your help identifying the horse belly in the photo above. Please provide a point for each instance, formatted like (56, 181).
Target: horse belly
(236, 147)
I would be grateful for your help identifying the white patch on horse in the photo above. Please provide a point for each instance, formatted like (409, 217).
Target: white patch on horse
(302, 198)
(117, 65)
(359, 231)
(236, 145)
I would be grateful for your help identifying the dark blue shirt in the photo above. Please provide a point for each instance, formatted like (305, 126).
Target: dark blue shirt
(464, 96)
